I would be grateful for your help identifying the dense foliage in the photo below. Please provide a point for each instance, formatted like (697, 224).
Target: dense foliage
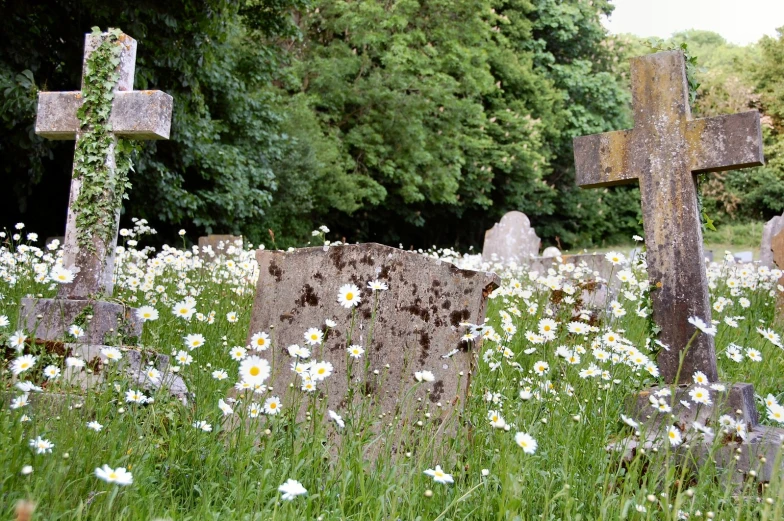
(401, 122)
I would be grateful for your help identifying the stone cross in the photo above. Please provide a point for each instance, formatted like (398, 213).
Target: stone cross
(142, 114)
(663, 152)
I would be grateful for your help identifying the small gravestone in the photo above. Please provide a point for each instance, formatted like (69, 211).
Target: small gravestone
(663, 152)
(744, 257)
(51, 240)
(417, 322)
(134, 115)
(512, 239)
(551, 251)
(769, 231)
(214, 246)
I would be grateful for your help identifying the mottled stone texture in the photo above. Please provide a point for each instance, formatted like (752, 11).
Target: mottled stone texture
(49, 319)
(217, 245)
(771, 229)
(662, 152)
(417, 321)
(777, 248)
(511, 240)
(135, 115)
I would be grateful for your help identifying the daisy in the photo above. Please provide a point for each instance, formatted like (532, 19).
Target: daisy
(348, 296)
(225, 407)
(183, 357)
(119, 476)
(220, 374)
(336, 418)
(496, 420)
(291, 489)
(314, 336)
(700, 378)
(299, 352)
(770, 335)
(94, 425)
(231, 316)
(27, 387)
(674, 436)
(254, 410)
(330, 323)
(147, 313)
(700, 395)
(17, 340)
(424, 376)
(754, 355)
(202, 425)
(526, 442)
(4, 321)
(135, 397)
(254, 370)
(61, 275)
(320, 371)
(272, 405)
(702, 326)
(51, 372)
(184, 310)
(41, 445)
(259, 342)
(238, 353)
(630, 422)
(194, 341)
(541, 367)
(112, 354)
(76, 331)
(615, 258)
(355, 351)
(22, 364)
(439, 476)
(20, 401)
(776, 413)
(547, 326)
(153, 374)
(377, 285)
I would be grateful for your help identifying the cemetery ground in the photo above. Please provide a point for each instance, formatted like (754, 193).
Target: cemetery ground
(545, 401)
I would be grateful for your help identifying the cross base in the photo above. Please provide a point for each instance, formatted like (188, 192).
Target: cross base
(49, 319)
(757, 455)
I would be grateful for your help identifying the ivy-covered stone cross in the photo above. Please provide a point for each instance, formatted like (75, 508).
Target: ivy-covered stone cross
(106, 108)
(663, 152)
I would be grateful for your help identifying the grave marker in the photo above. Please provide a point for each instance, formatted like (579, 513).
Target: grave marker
(417, 320)
(512, 239)
(777, 247)
(134, 115)
(769, 231)
(218, 245)
(663, 152)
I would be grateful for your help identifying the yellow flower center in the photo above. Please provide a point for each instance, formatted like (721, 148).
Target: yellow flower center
(273, 405)
(349, 296)
(254, 371)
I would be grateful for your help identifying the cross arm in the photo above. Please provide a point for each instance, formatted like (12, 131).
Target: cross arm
(604, 159)
(137, 114)
(725, 142)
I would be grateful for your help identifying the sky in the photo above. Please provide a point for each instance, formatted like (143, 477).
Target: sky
(738, 21)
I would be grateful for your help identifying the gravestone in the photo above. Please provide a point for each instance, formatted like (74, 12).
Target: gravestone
(417, 321)
(134, 115)
(663, 152)
(512, 239)
(744, 257)
(769, 231)
(214, 246)
(551, 251)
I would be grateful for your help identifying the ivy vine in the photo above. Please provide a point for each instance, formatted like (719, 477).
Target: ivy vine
(103, 185)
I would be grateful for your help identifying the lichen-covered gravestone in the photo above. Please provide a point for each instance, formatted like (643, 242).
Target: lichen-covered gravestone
(664, 151)
(769, 231)
(777, 248)
(512, 239)
(88, 252)
(417, 322)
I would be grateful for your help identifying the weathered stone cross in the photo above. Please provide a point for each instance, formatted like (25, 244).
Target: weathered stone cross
(664, 151)
(135, 115)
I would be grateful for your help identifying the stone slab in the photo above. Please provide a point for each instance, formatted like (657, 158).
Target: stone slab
(769, 231)
(49, 319)
(744, 256)
(512, 239)
(417, 325)
(777, 249)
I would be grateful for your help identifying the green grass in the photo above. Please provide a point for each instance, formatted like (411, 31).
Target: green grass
(374, 467)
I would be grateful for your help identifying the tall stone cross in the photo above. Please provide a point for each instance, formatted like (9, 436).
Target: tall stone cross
(663, 152)
(142, 114)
